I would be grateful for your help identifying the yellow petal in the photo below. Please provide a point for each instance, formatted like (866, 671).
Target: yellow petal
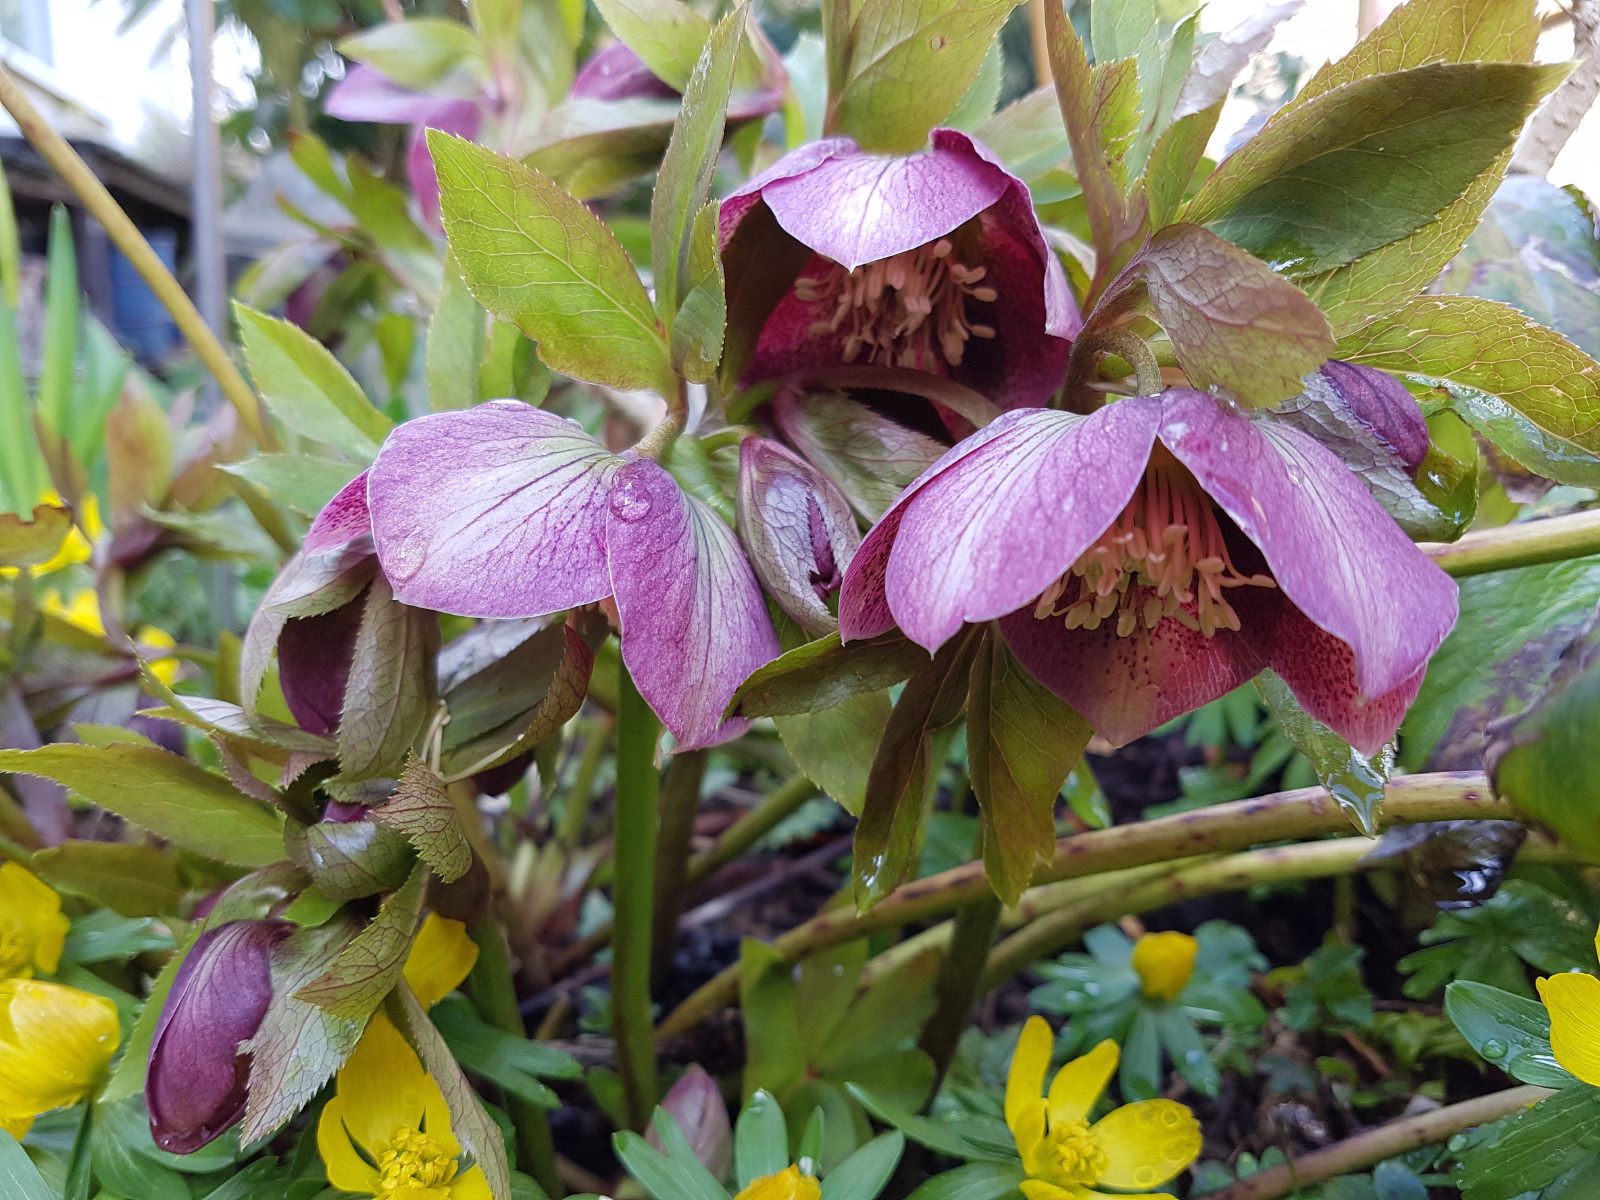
(35, 928)
(81, 612)
(1041, 1189)
(1078, 1085)
(1573, 1001)
(472, 1185)
(1147, 1143)
(1025, 1084)
(164, 668)
(346, 1169)
(1164, 963)
(55, 1041)
(383, 1086)
(788, 1184)
(441, 957)
(1597, 944)
(17, 1127)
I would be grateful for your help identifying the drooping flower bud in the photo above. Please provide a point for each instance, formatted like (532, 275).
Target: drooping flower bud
(1164, 963)
(195, 1087)
(54, 1043)
(798, 529)
(695, 1103)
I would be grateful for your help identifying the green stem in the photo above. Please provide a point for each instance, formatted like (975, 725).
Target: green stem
(638, 785)
(581, 794)
(496, 997)
(680, 805)
(1372, 1147)
(75, 173)
(751, 828)
(971, 934)
(1283, 816)
(1549, 539)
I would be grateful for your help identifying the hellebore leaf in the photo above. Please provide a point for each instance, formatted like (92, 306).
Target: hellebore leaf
(1506, 643)
(536, 257)
(1234, 322)
(1428, 31)
(824, 673)
(1525, 386)
(303, 482)
(479, 1135)
(391, 694)
(1220, 60)
(1373, 160)
(1173, 161)
(1022, 742)
(1514, 1030)
(455, 344)
(591, 147)
(834, 746)
(419, 52)
(134, 879)
(163, 793)
(1546, 761)
(907, 764)
(1354, 781)
(421, 811)
(369, 965)
(27, 543)
(683, 184)
(1026, 135)
(667, 35)
(299, 1046)
(350, 859)
(869, 456)
(701, 324)
(909, 65)
(307, 387)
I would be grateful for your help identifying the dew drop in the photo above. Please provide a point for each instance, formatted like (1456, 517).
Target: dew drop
(1145, 1177)
(405, 557)
(630, 502)
(1494, 1049)
(937, 42)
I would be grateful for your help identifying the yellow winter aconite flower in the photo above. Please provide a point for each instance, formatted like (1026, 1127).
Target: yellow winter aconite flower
(788, 1184)
(55, 1042)
(1138, 1146)
(32, 925)
(386, 1132)
(442, 955)
(77, 546)
(1573, 1002)
(83, 612)
(1164, 963)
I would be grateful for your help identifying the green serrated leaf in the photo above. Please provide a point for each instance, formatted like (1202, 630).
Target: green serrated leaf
(455, 344)
(370, 964)
(303, 482)
(825, 672)
(666, 34)
(420, 810)
(536, 257)
(701, 322)
(391, 694)
(418, 53)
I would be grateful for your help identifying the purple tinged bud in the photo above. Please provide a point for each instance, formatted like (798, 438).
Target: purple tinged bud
(798, 529)
(695, 1103)
(196, 1085)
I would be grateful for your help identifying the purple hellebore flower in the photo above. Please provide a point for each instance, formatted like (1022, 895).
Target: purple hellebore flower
(1150, 556)
(367, 94)
(617, 73)
(504, 510)
(196, 1084)
(910, 255)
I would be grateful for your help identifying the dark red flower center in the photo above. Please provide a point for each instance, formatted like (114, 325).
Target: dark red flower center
(1165, 556)
(908, 310)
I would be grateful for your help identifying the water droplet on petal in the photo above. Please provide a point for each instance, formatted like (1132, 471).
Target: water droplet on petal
(630, 501)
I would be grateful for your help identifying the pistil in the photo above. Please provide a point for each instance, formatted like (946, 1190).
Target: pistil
(1164, 557)
(908, 310)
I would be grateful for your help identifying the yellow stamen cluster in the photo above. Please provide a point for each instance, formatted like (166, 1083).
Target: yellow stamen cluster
(908, 310)
(1163, 557)
(1069, 1154)
(415, 1165)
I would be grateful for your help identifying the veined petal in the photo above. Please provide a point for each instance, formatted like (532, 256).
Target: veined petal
(343, 520)
(1025, 1084)
(1147, 1143)
(1383, 407)
(314, 659)
(383, 1086)
(441, 958)
(498, 511)
(1127, 686)
(797, 162)
(855, 207)
(1078, 1085)
(367, 94)
(694, 623)
(1573, 1001)
(54, 1043)
(991, 532)
(1331, 548)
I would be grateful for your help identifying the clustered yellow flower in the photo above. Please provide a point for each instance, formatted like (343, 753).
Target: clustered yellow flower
(1573, 1002)
(386, 1132)
(1138, 1146)
(55, 1041)
(1164, 963)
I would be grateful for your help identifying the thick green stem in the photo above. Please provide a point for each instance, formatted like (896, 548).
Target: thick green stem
(638, 788)
(971, 934)
(1549, 539)
(680, 804)
(1372, 1147)
(1305, 813)
(75, 173)
(751, 828)
(496, 997)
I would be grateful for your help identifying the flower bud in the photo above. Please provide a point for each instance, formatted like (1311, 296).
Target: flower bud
(798, 529)
(55, 1042)
(1164, 963)
(695, 1103)
(791, 1183)
(195, 1087)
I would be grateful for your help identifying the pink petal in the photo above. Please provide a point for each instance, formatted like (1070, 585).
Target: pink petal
(1335, 553)
(797, 162)
(365, 94)
(342, 520)
(991, 532)
(1127, 686)
(461, 117)
(497, 511)
(694, 623)
(617, 73)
